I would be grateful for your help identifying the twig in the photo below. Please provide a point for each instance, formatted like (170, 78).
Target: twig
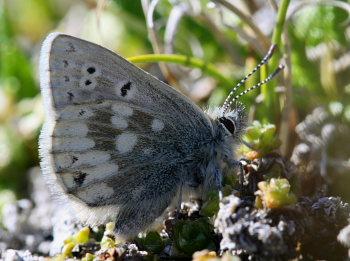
(287, 119)
(186, 61)
(148, 10)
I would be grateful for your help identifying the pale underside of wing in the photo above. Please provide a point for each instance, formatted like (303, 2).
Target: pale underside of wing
(117, 142)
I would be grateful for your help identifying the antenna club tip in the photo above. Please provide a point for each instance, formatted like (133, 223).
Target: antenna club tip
(272, 48)
(271, 51)
(281, 66)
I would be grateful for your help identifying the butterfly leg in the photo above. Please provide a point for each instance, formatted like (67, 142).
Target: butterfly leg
(218, 177)
(179, 203)
(250, 146)
(241, 177)
(235, 163)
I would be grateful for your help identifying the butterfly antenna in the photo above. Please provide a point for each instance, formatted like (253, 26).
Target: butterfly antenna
(263, 61)
(269, 78)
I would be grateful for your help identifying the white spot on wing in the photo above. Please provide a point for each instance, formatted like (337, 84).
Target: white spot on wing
(93, 175)
(73, 160)
(119, 122)
(95, 193)
(63, 161)
(122, 110)
(71, 129)
(157, 125)
(101, 172)
(76, 112)
(126, 142)
(72, 144)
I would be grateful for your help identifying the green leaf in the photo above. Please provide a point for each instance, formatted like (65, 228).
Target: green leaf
(193, 236)
(153, 242)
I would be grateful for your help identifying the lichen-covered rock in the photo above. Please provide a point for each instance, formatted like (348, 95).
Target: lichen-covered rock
(19, 255)
(36, 224)
(252, 234)
(323, 218)
(283, 233)
(27, 222)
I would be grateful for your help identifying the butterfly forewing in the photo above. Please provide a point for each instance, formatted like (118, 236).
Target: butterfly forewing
(116, 139)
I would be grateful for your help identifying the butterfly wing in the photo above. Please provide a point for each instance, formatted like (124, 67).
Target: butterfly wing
(117, 142)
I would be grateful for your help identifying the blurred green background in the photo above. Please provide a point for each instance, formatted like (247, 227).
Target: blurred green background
(314, 47)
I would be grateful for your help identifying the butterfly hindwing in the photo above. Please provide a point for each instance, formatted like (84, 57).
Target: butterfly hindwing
(117, 142)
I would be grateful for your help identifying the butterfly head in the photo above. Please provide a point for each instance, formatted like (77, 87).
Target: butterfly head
(231, 115)
(233, 121)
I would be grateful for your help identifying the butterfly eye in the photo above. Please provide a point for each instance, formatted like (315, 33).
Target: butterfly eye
(229, 124)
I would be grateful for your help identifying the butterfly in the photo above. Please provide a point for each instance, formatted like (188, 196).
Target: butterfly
(118, 145)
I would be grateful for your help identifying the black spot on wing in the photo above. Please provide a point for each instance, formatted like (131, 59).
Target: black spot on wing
(70, 48)
(91, 70)
(79, 178)
(74, 159)
(70, 96)
(82, 112)
(124, 90)
(88, 82)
